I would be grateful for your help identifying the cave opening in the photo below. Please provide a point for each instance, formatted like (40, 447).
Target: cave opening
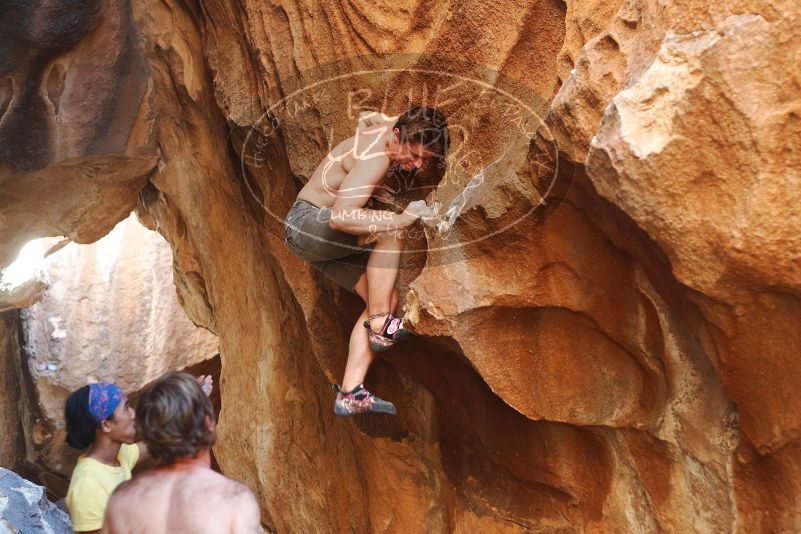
(101, 312)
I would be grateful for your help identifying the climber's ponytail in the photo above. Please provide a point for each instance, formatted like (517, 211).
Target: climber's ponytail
(80, 423)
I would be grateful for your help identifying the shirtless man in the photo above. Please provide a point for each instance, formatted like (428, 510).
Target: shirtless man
(183, 495)
(359, 248)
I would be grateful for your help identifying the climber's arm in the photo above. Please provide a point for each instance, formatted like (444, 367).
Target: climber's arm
(349, 214)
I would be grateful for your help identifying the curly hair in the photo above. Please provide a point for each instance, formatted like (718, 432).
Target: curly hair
(170, 416)
(425, 125)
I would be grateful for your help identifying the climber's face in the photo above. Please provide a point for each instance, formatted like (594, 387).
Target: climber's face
(410, 156)
(120, 427)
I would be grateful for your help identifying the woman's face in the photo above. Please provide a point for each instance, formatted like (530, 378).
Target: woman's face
(121, 426)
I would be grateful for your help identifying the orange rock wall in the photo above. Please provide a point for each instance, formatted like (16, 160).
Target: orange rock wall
(621, 359)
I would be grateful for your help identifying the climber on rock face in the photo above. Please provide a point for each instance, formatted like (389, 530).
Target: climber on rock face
(359, 248)
(183, 495)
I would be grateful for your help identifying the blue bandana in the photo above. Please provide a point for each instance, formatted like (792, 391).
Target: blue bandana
(103, 400)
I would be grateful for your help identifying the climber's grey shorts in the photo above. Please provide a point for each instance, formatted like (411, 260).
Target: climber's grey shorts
(336, 254)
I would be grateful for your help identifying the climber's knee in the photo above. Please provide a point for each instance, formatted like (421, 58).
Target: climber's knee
(388, 239)
(398, 236)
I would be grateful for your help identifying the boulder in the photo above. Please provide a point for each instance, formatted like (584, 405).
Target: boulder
(24, 507)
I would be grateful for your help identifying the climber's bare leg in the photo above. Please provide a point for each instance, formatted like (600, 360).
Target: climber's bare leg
(360, 355)
(382, 273)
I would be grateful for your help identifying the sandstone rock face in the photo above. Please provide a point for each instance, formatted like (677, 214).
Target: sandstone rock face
(605, 338)
(725, 216)
(12, 445)
(24, 507)
(110, 314)
(700, 149)
(24, 281)
(73, 120)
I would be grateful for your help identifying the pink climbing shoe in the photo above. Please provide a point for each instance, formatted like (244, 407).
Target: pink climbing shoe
(391, 332)
(360, 401)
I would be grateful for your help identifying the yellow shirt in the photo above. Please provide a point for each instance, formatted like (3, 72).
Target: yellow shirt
(91, 486)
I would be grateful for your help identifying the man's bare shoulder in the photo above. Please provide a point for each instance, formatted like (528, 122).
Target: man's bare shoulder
(129, 489)
(209, 484)
(196, 501)
(230, 500)
(118, 506)
(246, 516)
(123, 490)
(232, 487)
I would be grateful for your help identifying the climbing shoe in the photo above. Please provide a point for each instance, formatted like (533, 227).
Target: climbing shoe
(360, 401)
(391, 332)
